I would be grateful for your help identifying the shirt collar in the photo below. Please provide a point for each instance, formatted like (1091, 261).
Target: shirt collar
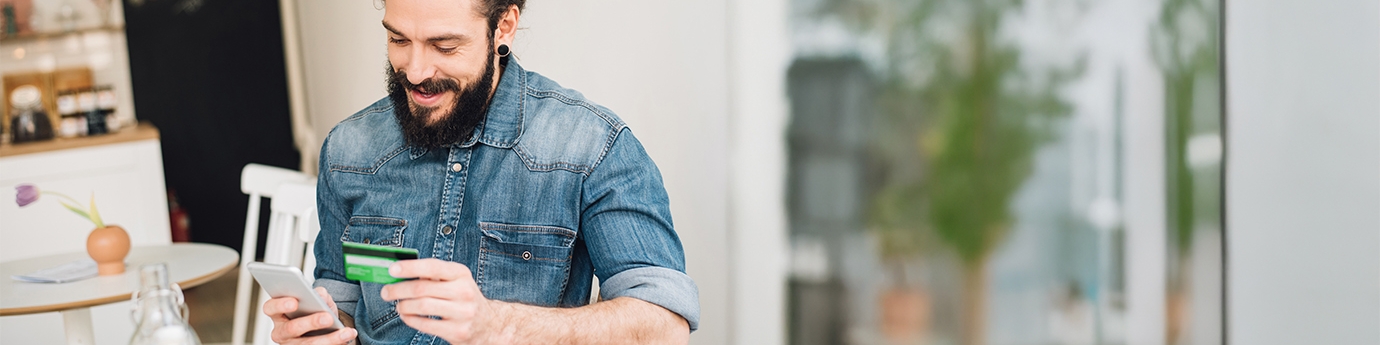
(503, 123)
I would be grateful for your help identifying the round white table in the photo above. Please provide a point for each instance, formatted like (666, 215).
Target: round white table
(189, 265)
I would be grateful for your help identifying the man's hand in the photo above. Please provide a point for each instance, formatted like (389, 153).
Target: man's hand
(446, 291)
(289, 331)
(446, 302)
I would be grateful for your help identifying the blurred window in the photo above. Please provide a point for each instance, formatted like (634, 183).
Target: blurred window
(975, 172)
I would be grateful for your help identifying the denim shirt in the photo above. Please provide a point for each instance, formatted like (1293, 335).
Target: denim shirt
(550, 191)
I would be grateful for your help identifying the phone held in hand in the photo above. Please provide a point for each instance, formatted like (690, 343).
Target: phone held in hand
(369, 263)
(287, 281)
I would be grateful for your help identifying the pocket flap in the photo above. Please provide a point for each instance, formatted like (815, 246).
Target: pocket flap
(537, 235)
(383, 231)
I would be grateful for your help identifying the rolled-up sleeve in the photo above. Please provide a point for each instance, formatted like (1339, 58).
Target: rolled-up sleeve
(627, 226)
(667, 288)
(345, 294)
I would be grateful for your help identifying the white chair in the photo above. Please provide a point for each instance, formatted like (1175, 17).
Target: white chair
(291, 240)
(262, 181)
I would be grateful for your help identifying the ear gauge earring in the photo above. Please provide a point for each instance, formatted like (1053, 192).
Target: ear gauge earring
(503, 50)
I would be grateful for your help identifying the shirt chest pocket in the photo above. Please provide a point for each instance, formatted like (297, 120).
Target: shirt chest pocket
(524, 263)
(383, 231)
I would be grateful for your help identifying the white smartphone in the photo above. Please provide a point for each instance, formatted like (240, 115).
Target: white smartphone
(288, 281)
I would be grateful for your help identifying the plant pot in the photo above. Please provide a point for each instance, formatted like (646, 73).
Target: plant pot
(905, 314)
(108, 246)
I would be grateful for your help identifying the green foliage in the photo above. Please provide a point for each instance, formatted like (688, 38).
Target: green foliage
(985, 135)
(1185, 46)
(959, 100)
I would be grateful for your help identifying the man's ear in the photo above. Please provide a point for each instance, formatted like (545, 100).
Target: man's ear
(507, 26)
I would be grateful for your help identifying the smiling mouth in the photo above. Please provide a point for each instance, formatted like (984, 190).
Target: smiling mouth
(425, 98)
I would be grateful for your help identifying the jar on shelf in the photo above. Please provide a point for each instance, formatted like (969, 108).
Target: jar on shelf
(28, 120)
(88, 106)
(71, 123)
(105, 104)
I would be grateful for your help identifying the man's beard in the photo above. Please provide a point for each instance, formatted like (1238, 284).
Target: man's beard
(471, 104)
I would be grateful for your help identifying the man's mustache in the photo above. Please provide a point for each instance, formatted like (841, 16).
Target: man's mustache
(428, 86)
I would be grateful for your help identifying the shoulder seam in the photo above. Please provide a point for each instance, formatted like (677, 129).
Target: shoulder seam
(608, 146)
(370, 170)
(377, 107)
(615, 124)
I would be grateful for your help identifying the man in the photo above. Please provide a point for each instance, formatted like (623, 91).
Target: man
(515, 192)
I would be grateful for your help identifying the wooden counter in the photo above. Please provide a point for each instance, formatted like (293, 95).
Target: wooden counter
(142, 131)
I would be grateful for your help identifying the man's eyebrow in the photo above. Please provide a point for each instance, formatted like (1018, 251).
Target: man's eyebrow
(391, 29)
(458, 38)
(441, 38)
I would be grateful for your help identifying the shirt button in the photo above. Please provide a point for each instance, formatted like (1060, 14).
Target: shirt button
(446, 230)
(526, 255)
(456, 167)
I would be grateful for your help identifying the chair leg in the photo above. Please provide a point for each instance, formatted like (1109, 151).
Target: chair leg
(263, 326)
(245, 281)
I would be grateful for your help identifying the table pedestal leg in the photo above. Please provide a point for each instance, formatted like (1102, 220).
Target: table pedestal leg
(77, 324)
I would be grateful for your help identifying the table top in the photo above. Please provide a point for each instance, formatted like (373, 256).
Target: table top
(189, 264)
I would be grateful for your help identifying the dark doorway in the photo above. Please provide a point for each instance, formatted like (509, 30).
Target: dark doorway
(210, 75)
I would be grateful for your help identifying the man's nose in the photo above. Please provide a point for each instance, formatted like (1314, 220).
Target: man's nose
(419, 68)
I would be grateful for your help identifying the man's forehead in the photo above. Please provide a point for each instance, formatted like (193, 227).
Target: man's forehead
(427, 17)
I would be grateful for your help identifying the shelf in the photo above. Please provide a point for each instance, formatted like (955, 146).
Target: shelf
(143, 131)
(52, 35)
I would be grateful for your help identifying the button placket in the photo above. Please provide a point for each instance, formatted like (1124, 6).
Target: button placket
(451, 203)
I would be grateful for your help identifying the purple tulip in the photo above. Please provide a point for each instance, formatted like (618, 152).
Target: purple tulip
(25, 194)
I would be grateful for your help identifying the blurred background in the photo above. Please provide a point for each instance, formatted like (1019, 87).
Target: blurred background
(858, 171)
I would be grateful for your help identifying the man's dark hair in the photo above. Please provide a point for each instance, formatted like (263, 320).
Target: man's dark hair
(494, 10)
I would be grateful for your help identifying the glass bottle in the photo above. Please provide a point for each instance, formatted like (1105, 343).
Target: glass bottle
(160, 311)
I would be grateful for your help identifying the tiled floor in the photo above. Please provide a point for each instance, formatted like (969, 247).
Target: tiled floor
(212, 309)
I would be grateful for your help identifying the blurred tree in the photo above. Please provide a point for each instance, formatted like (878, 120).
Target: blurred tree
(1185, 45)
(963, 104)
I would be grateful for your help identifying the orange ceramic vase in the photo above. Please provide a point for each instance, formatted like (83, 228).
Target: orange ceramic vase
(108, 246)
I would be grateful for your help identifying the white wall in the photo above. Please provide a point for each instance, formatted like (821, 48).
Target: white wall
(1303, 172)
(758, 55)
(343, 56)
(660, 66)
(700, 83)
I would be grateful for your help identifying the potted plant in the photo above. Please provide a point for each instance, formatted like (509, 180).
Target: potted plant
(972, 114)
(904, 241)
(107, 244)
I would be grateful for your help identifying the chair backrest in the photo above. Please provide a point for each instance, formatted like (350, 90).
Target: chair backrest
(259, 181)
(291, 240)
(294, 225)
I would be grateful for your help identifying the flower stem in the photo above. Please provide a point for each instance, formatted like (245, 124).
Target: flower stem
(74, 201)
(75, 208)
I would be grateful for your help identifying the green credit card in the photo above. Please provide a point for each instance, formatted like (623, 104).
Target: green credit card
(369, 263)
